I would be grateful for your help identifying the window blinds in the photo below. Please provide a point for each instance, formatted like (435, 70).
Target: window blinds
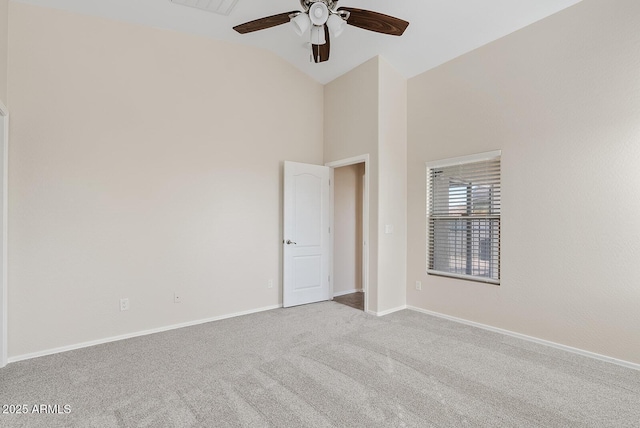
(463, 217)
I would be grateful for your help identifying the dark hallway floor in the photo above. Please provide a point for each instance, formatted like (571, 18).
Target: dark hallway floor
(355, 300)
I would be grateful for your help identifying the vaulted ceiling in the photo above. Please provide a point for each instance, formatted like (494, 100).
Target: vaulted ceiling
(439, 30)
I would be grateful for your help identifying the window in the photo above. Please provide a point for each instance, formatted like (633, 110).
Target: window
(463, 217)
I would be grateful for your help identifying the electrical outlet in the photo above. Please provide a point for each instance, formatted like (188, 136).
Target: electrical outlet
(177, 298)
(270, 283)
(124, 304)
(418, 285)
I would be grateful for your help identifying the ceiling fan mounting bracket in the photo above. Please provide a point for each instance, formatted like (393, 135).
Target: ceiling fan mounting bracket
(344, 14)
(331, 4)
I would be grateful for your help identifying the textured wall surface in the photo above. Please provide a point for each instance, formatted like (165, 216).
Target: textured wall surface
(561, 99)
(392, 182)
(347, 223)
(366, 113)
(351, 129)
(4, 47)
(144, 162)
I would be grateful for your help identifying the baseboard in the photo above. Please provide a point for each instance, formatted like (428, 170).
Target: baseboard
(136, 334)
(389, 311)
(578, 351)
(342, 293)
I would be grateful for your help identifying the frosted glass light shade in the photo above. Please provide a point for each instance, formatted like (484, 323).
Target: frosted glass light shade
(336, 25)
(300, 23)
(317, 35)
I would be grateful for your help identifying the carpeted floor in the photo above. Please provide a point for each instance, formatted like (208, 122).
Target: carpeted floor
(322, 365)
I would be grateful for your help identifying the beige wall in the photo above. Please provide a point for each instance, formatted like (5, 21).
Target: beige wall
(347, 223)
(351, 129)
(365, 113)
(4, 37)
(144, 162)
(392, 178)
(561, 99)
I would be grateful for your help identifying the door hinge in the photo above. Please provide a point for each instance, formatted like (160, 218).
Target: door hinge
(329, 278)
(329, 229)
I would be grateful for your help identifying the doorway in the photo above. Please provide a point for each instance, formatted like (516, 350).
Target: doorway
(350, 237)
(4, 145)
(309, 277)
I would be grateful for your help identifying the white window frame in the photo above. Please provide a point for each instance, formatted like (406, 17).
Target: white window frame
(486, 156)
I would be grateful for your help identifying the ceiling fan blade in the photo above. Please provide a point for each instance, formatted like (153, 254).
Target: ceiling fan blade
(374, 21)
(321, 52)
(263, 23)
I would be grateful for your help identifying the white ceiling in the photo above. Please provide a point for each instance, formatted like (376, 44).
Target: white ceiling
(439, 30)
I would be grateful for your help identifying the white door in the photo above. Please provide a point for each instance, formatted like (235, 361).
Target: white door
(306, 234)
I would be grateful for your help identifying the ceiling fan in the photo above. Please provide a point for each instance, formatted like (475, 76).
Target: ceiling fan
(325, 18)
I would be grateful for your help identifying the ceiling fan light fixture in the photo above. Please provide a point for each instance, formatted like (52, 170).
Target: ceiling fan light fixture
(336, 25)
(300, 23)
(317, 35)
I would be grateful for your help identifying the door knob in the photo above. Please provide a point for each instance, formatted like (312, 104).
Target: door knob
(289, 242)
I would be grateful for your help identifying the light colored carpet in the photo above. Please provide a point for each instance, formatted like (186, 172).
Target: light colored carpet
(323, 365)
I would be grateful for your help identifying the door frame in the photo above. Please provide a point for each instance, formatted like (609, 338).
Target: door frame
(4, 116)
(365, 221)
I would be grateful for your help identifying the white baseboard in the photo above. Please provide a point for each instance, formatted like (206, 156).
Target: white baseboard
(389, 311)
(353, 290)
(136, 334)
(578, 351)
